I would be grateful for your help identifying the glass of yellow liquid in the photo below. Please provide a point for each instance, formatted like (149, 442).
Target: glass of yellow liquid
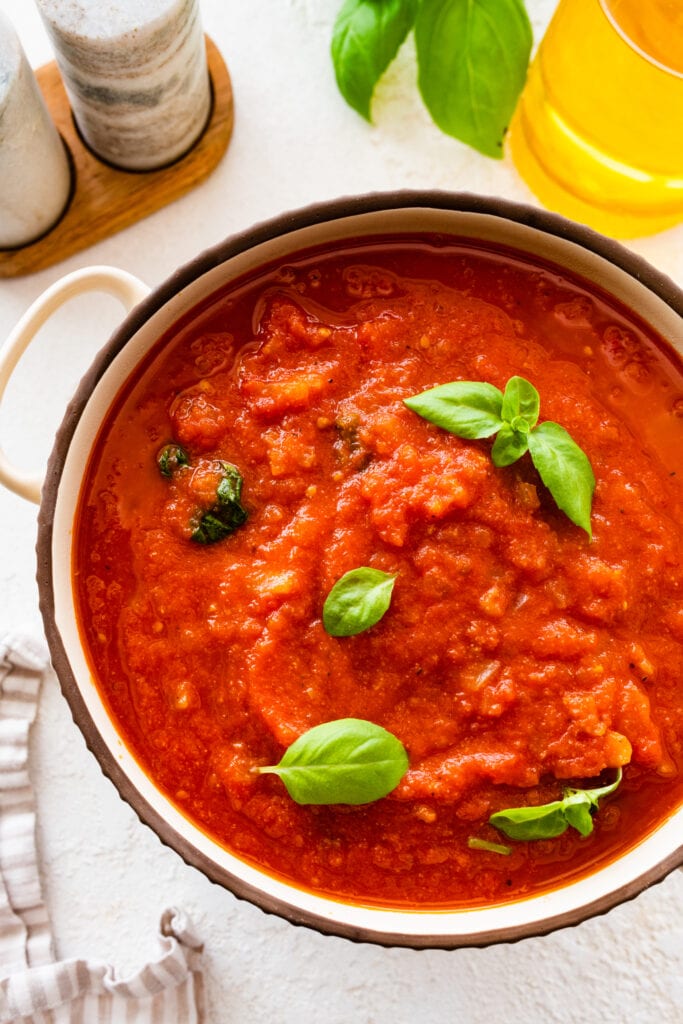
(598, 131)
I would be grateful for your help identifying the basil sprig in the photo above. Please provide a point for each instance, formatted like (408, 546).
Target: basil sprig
(472, 59)
(550, 820)
(347, 761)
(474, 409)
(357, 601)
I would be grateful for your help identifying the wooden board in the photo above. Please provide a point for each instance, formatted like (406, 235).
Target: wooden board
(104, 199)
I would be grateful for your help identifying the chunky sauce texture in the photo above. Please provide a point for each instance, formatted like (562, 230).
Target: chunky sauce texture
(517, 656)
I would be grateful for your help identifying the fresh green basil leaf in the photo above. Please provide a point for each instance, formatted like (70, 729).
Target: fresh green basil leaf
(520, 400)
(469, 409)
(544, 822)
(483, 844)
(348, 761)
(593, 795)
(549, 820)
(472, 60)
(577, 811)
(357, 601)
(366, 38)
(509, 446)
(565, 470)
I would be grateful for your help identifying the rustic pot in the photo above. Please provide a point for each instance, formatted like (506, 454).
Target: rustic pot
(615, 270)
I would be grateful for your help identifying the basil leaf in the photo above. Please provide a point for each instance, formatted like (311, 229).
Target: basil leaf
(469, 409)
(366, 38)
(520, 400)
(348, 761)
(472, 60)
(577, 811)
(229, 490)
(227, 514)
(544, 822)
(593, 795)
(209, 529)
(565, 470)
(549, 820)
(509, 446)
(357, 601)
(171, 458)
(483, 844)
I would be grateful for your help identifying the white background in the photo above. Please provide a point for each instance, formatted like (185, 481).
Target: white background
(107, 877)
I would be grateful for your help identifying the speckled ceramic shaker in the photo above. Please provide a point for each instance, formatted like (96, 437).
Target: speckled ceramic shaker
(35, 176)
(136, 75)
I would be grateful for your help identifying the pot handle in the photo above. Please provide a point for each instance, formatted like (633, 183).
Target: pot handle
(122, 285)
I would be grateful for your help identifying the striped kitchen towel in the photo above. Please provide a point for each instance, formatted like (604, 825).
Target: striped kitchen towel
(34, 988)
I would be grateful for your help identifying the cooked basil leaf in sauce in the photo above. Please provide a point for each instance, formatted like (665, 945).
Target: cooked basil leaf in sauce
(227, 514)
(171, 458)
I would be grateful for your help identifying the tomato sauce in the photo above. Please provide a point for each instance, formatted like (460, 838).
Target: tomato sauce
(518, 656)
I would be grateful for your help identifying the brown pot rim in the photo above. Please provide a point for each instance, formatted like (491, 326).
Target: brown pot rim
(328, 211)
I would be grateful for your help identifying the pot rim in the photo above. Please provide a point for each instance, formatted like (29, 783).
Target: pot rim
(279, 226)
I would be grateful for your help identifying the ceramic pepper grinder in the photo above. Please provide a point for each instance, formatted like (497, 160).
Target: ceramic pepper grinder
(136, 75)
(35, 174)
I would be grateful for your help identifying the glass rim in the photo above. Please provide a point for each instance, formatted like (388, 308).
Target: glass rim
(611, 17)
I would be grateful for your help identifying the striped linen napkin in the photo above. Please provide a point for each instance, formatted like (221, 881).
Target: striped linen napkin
(34, 988)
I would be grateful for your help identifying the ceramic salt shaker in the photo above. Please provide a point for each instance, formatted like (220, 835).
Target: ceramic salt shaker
(136, 75)
(35, 174)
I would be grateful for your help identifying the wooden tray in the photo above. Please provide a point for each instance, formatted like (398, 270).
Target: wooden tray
(104, 199)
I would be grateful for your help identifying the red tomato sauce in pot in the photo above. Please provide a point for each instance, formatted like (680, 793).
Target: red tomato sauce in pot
(517, 657)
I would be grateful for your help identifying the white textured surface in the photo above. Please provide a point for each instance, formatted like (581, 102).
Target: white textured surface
(106, 876)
